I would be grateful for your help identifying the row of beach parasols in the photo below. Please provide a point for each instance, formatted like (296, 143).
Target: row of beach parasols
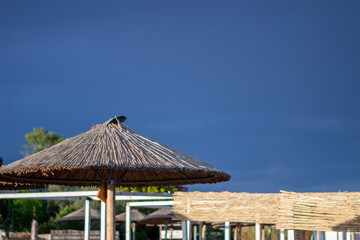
(109, 155)
(161, 216)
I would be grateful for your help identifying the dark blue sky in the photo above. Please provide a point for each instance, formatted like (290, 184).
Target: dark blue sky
(267, 91)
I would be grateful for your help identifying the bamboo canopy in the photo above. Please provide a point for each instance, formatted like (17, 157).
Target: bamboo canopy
(226, 206)
(135, 214)
(112, 151)
(163, 216)
(337, 211)
(79, 215)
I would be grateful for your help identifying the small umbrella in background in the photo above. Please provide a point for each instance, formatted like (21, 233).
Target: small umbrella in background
(110, 155)
(79, 215)
(163, 216)
(135, 216)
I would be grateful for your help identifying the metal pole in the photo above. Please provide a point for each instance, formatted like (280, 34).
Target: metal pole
(290, 235)
(257, 231)
(188, 229)
(227, 231)
(87, 220)
(183, 228)
(127, 221)
(103, 221)
(282, 234)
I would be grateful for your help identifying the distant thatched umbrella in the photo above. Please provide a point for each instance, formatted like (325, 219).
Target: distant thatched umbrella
(135, 214)
(79, 215)
(112, 154)
(163, 216)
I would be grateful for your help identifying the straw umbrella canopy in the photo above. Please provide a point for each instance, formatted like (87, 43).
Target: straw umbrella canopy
(163, 216)
(111, 154)
(79, 215)
(135, 214)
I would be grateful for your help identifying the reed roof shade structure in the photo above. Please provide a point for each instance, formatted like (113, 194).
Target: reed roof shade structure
(107, 155)
(112, 152)
(226, 206)
(338, 211)
(135, 214)
(79, 215)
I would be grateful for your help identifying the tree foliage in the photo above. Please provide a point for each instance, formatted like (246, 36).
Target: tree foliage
(40, 139)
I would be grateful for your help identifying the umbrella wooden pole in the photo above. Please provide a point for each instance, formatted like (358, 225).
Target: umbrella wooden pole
(110, 212)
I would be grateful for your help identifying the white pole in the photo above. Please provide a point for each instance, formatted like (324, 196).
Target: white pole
(227, 231)
(127, 221)
(282, 234)
(188, 229)
(103, 221)
(257, 231)
(290, 235)
(183, 228)
(87, 220)
(348, 236)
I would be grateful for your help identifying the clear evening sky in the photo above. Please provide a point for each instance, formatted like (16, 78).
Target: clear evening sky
(267, 91)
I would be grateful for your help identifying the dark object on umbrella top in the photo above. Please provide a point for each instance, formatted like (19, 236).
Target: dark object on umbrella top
(79, 215)
(163, 216)
(136, 216)
(112, 153)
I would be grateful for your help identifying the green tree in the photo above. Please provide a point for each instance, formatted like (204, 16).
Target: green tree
(40, 139)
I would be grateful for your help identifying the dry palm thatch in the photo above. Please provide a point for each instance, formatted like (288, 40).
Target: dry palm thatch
(337, 211)
(79, 215)
(111, 152)
(135, 214)
(162, 216)
(226, 206)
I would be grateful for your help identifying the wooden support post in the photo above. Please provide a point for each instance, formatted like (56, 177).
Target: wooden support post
(227, 234)
(103, 221)
(201, 225)
(258, 231)
(133, 226)
(203, 231)
(110, 212)
(195, 233)
(87, 221)
(127, 222)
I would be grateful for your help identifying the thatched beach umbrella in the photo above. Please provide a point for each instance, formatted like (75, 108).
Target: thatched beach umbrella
(163, 216)
(5, 184)
(136, 216)
(79, 215)
(111, 154)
